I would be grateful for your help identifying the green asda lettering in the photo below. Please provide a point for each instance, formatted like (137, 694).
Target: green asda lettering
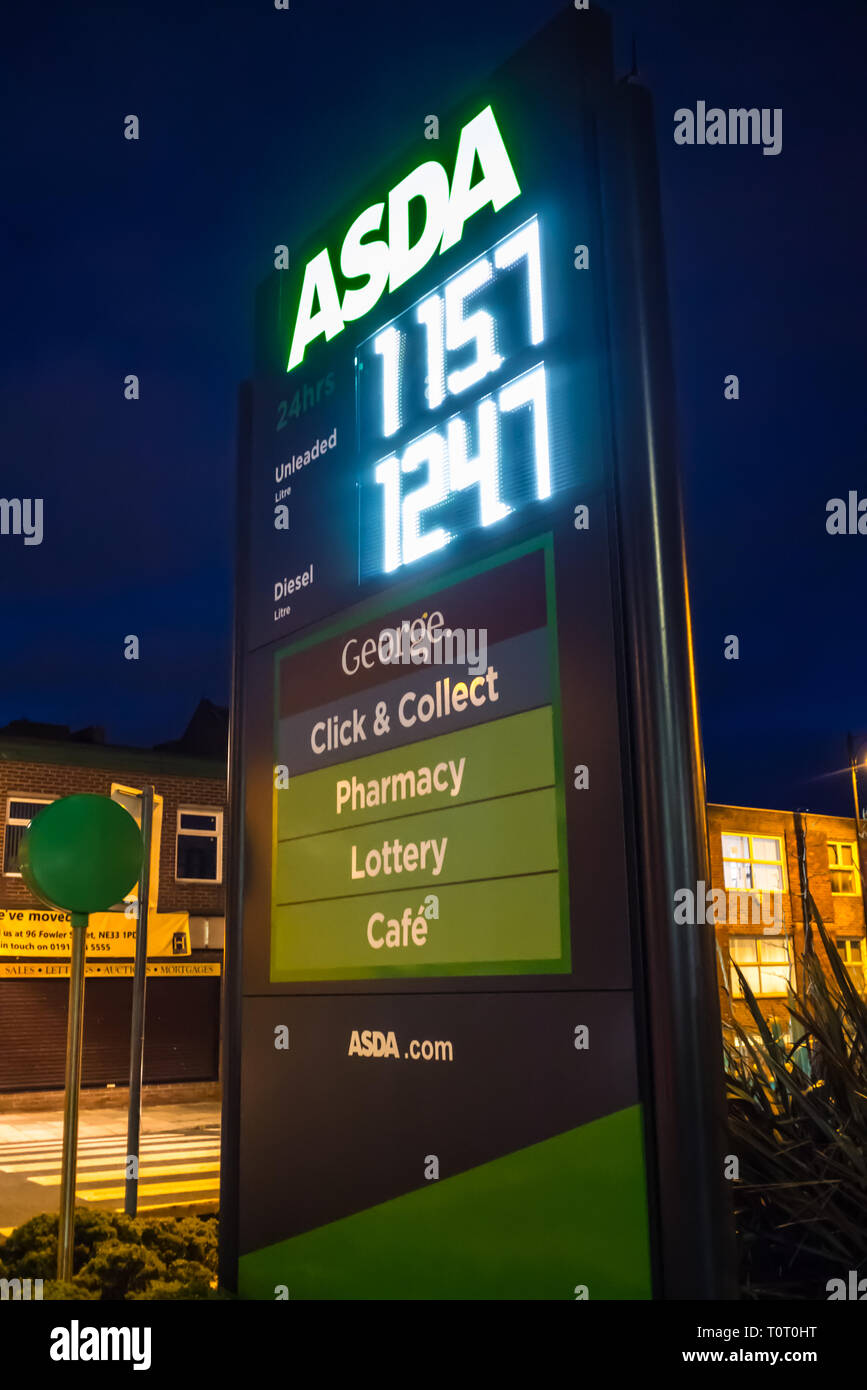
(393, 261)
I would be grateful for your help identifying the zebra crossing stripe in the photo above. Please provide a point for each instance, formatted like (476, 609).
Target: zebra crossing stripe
(52, 1163)
(111, 1194)
(163, 1170)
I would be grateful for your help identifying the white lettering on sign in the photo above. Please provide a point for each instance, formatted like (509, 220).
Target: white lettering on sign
(359, 795)
(395, 857)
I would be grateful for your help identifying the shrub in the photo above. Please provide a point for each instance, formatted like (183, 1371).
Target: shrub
(798, 1120)
(118, 1257)
(55, 1291)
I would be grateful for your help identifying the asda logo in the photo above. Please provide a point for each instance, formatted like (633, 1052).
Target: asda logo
(372, 1044)
(391, 259)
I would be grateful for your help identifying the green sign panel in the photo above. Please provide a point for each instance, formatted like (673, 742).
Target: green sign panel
(444, 855)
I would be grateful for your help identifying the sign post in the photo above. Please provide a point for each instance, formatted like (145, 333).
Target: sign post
(82, 854)
(465, 754)
(146, 808)
(137, 1022)
(71, 1092)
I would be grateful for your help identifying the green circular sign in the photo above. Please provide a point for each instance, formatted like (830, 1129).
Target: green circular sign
(81, 854)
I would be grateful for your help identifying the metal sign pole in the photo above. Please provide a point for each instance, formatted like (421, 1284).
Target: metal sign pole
(81, 855)
(695, 1237)
(74, 1028)
(137, 1023)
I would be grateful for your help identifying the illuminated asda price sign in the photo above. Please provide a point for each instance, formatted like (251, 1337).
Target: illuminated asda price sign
(441, 844)
(451, 466)
(452, 396)
(380, 262)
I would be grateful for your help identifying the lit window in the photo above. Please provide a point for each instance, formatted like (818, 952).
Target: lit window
(20, 811)
(753, 862)
(199, 851)
(766, 965)
(854, 952)
(843, 866)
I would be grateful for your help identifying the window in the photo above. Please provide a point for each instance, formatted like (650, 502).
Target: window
(779, 1029)
(843, 866)
(199, 852)
(854, 953)
(753, 862)
(766, 965)
(20, 811)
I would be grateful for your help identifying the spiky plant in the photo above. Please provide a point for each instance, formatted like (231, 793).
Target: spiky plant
(798, 1121)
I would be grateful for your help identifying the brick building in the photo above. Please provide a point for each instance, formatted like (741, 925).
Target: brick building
(753, 862)
(40, 763)
(754, 854)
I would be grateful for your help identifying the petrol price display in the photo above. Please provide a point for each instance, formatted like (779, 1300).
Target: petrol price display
(454, 396)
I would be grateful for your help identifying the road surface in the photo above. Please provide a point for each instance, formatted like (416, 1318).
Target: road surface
(179, 1164)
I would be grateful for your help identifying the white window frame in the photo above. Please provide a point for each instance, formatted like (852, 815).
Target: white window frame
(16, 820)
(216, 811)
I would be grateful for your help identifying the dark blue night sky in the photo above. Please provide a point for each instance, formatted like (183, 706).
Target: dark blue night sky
(143, 257)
